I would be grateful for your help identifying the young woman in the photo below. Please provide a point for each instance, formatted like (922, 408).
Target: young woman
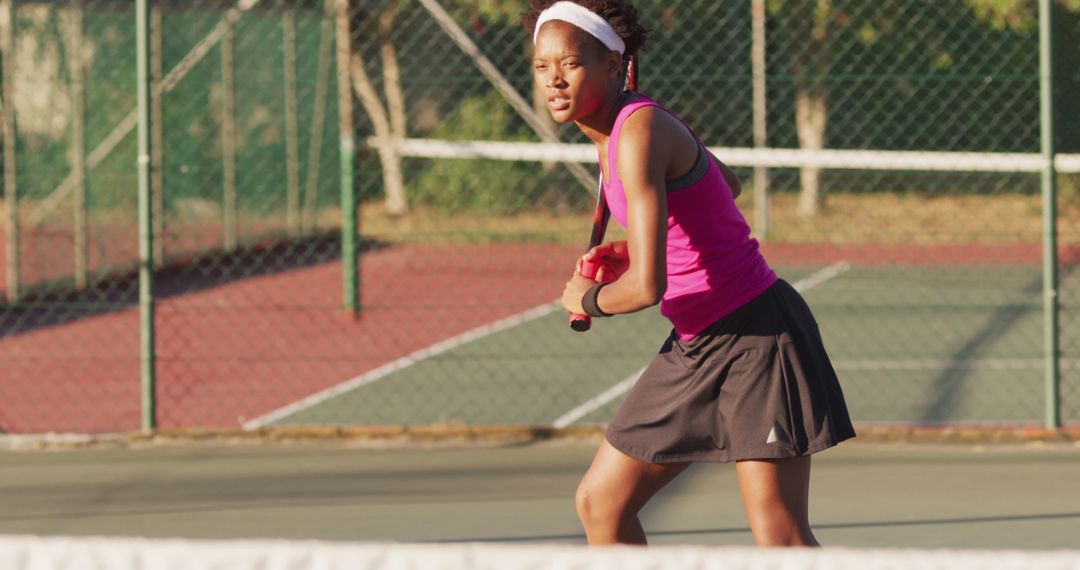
(744, 376)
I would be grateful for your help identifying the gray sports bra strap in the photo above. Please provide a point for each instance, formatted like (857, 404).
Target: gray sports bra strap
(696, 173)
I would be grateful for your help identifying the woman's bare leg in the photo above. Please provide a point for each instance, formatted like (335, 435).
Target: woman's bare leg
(776, 494)
(612, 492)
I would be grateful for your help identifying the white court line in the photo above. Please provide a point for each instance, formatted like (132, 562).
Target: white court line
(625, 384)
(403, 362)
(597, 402)
(807, 283)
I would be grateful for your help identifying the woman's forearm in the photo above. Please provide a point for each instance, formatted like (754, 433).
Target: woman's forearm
(628, 294)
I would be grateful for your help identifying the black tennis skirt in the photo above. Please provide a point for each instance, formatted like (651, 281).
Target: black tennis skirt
(757, 384)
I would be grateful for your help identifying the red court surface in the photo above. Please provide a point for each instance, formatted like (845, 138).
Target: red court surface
(234, 351)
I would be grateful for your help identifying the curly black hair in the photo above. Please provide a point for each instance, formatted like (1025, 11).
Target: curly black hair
(620, 14)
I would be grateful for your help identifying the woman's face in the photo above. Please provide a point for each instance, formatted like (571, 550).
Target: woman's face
(574, 70)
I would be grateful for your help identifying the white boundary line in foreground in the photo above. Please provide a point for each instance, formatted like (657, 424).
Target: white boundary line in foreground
(602, 399)
(403, 362)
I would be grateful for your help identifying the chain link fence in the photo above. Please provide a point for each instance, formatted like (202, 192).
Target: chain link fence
(889, 153)
(1068, 30)
(245, 172)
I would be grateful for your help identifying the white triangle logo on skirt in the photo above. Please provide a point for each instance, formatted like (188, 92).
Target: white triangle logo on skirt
(777, 435)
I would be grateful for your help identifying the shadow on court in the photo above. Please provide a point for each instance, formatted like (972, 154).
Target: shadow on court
(952, 383)
(818, 527)
(51, 305)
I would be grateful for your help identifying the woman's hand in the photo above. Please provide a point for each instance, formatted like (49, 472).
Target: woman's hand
(575, 289)
(612, 259)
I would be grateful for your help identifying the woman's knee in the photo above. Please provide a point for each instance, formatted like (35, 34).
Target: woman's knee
(596, 506)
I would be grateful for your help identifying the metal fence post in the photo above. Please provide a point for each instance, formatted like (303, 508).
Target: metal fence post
(292, 144)
(146, 232)
(157, 136)
(349, 230)
(78, 144)
(1052, 351)
(318, 119)
(11, 195)
(228, 132)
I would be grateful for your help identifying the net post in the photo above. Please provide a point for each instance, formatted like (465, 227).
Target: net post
(349, 223)
(11, 195)
(146, 231)
(1052, 351)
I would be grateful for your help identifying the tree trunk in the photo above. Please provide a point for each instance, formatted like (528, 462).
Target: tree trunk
(811, 66)
(388, 127)
(811, 119)
(397, 203)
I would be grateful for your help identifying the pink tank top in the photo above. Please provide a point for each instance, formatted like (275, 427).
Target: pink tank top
(713, 265)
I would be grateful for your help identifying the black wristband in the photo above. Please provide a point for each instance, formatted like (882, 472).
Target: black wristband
(588, 301)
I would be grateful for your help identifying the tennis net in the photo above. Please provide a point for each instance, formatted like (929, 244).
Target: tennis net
(61, 553)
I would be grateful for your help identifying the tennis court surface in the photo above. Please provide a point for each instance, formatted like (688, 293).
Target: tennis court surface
(863, 494)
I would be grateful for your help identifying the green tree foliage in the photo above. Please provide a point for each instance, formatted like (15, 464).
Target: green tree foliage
(1017, 15)
(459, 185)
(854, 59)
(495, 11)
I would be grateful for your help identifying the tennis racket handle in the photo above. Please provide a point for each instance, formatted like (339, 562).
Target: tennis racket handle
(589, 268)
(582, 323)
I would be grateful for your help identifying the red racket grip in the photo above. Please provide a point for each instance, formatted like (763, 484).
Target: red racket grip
(582, 323)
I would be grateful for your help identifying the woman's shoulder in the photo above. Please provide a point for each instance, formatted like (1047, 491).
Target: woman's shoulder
(653, 136)
(636, 103)
(647, 119)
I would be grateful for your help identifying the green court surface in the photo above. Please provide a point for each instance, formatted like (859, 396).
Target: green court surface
(911, 344)
(862, 494)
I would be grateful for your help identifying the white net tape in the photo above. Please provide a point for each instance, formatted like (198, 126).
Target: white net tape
(60, 553)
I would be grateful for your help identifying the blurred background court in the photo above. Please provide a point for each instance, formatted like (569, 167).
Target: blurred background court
(357, 214)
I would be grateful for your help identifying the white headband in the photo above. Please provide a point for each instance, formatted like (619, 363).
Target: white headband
(585, 19)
